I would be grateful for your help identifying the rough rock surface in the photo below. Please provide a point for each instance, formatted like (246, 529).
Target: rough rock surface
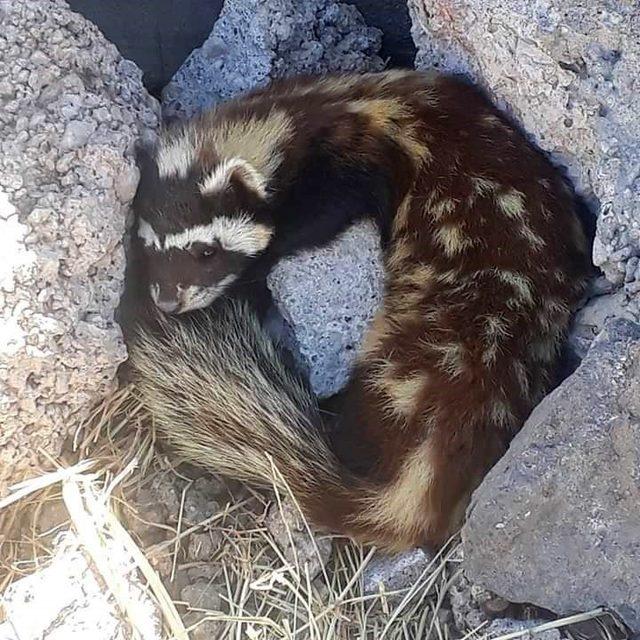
(390, 572)
(568, 72)
(253, 41)
(477, 610)
(591, 319)
(157, 35)
(70, 111)
(67, 600)
(563, 502)
(328, 296)
(392, 18)
(307, 553)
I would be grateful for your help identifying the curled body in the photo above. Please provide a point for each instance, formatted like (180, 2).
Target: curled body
(485, 258)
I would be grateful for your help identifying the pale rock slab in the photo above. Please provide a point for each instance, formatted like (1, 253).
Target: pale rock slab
(254, 41)
(555, 523)
(71, 110)
(568, 71)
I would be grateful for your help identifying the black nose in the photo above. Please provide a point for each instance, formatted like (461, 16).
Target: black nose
(168, 306)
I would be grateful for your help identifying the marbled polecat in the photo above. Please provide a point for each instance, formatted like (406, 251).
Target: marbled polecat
(485, 260)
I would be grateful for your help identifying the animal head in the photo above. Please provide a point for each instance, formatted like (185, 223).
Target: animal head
(199, 223)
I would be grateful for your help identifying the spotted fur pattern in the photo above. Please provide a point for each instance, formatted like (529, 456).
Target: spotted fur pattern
(485, 260)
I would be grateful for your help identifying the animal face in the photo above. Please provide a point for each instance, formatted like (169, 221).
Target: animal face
(199, 230)
(190, 269)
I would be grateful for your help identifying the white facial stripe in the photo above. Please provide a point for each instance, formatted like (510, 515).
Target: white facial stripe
(148, 235)
(218, 179)
(195, 297)
(175, 157)
(234, 234)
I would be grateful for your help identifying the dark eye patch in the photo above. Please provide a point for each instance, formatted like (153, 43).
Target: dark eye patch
(205, 251)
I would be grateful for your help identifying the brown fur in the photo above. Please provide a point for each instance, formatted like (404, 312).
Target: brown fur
(485, 261)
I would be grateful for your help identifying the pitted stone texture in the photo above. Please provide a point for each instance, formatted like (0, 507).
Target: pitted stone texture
(474, 613)
(254, 41)
(391, 572)
(555, 523)
(329, 296)
(67, 600)
(569, 72)
(591, 319)
(70, 111)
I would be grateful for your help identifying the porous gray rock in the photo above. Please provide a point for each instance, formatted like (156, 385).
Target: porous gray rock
(157, 35)
(556, 521)
(254, 41)
(68, 599)
(202, 594)
(568, 71)
(591, 319)
(328, 296)
(391, 572)
(70, 111)
(305, 552)
(477, 611)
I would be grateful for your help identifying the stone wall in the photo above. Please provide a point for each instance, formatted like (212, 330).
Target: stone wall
(71, 109)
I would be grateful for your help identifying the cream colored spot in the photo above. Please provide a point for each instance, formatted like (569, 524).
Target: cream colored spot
(400, 505)
(441, 208)
(397, 120)
(401, 219)
(258, 141)
(520, 284)
(378, 331)
(483, 186)
(176, 154)
(453, 239)
(500, 413)
(219, 179)
(451, 357)
(532, 237)
(400, 253)
(404, 394)
(511, 203)
(422, 276)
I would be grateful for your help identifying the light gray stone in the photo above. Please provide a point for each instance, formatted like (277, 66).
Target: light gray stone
(328, 296)
(503, 626)
(66, 180)
(67, 600)
(568, 71)
(556, 521)
(304, 552)
(253, 41)
(201, 499)
(202, 594)
(391, 572)
(76, 134)
(591, 319)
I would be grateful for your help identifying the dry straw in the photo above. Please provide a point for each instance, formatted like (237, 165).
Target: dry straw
(264, 595)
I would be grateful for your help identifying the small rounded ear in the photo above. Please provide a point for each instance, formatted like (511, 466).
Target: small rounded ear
(237, 173)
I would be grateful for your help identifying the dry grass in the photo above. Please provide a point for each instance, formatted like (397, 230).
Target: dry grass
(263, 595)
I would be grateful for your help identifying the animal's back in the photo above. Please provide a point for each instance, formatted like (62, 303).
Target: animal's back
(485, 260)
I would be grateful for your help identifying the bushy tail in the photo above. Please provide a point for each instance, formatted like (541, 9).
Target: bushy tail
(220, 393)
